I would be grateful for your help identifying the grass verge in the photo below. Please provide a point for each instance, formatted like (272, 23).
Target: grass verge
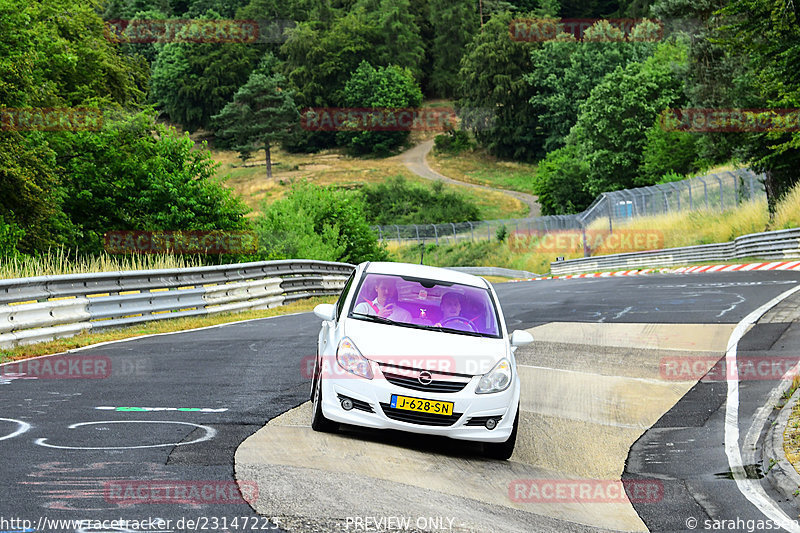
(791, 435)
(481, 168)
(149, 328)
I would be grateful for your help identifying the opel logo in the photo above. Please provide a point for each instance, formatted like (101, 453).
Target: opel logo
(425, 378)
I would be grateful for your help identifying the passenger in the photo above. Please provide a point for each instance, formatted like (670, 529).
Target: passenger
(385, 304)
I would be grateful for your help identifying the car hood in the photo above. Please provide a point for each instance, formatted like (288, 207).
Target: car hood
(431, 350)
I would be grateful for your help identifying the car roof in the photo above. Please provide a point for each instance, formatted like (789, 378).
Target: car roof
(424, 271)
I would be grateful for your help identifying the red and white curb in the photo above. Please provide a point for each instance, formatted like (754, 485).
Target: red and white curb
(780, 265)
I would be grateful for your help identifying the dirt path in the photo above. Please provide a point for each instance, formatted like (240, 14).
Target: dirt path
(415, 160)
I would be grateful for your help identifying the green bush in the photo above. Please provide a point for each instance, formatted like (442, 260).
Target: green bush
(320, 223)
(384, 87)
(134, 174)
(561, 180)
(10, 236)
(453, 142)
(502, 233)
(395, 201)
(669, 151)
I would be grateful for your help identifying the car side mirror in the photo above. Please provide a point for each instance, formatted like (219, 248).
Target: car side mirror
(325, 311)
(520, 337)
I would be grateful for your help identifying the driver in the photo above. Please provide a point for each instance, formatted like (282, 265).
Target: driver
(450, 306)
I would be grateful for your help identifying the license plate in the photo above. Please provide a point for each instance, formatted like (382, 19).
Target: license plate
(422, 406)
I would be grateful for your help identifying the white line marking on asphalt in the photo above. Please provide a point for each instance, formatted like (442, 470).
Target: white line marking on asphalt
(159, 409)
(750, 488)
(622, 312)
(733, 306)
(23, 427)
(210, 434)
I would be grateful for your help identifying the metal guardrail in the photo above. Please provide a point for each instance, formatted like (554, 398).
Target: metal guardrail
(48, 307)
(495, 271)
(778, 245)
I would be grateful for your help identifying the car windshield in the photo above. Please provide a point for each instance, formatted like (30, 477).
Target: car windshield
(426, 304)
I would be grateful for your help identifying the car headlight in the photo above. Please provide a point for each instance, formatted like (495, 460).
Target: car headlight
(349, 358)
(496, 380)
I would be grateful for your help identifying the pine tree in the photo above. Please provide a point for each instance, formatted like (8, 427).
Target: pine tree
(454, 24)
(261, 113)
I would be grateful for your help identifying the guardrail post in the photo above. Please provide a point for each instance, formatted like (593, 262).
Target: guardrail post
(399, 240)
(454, 232)
(471, 231)
(417, 230)
(436, 233)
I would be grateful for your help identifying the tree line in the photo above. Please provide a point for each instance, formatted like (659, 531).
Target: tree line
(589, 111)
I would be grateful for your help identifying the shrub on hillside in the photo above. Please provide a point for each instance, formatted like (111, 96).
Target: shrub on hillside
(320, 223)
(397, 201)
(453, 142)
(389, 87)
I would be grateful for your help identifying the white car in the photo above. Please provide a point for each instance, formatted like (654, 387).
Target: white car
(418, 349)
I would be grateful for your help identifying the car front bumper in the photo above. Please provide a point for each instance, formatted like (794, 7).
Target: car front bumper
(378, 390)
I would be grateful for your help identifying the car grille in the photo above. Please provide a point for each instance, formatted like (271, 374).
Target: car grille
(357, 404)
(423, 419)
(437, 385)
(481, 420)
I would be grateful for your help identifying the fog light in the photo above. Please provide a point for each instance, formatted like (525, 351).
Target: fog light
(347, 404)
(491, 423)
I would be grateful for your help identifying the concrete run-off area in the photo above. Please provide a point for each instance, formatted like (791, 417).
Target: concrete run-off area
(589, 391)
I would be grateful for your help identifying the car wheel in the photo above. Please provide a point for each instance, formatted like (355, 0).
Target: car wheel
(502, 450)
(318, 420)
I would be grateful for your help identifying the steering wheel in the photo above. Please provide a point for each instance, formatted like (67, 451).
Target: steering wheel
(465, 321)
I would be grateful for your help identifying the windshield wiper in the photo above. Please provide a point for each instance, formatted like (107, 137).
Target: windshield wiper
(453, 330)
(375, 318)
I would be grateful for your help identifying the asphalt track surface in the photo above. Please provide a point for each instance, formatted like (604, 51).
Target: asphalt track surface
(63, 457)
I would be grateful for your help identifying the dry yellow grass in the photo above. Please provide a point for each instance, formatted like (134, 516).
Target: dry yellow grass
(59, 261)
(331, 167)
(483, 169)
(698, 227)
(787, 214)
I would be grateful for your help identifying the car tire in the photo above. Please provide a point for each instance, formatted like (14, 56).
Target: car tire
(318, 420)
(502, 450)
